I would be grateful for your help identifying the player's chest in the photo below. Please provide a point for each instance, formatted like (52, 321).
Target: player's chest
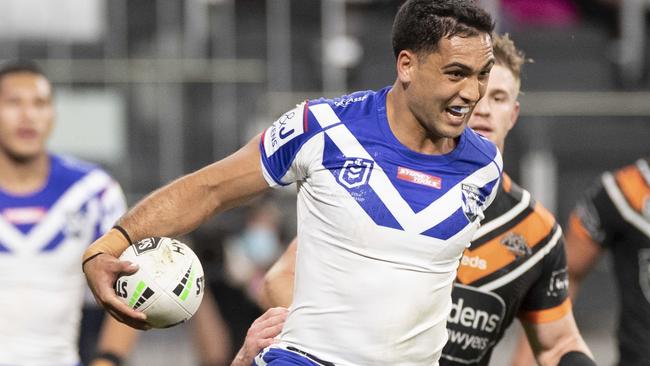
(34, 228)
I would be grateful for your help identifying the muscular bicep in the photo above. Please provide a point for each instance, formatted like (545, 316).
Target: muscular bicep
(550, 340)
(236, 178)
(182, 205)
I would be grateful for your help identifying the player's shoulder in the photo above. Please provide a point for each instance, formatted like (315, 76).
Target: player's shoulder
(481, 144)
(297, 126)
(73, 167)
(346, 108)
(357, 104)
(538, 214)
(636, 174)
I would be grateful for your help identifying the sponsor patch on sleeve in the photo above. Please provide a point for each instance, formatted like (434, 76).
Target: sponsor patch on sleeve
(285, 129)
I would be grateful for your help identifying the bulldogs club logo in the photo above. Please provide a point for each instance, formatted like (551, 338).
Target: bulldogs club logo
(355, 172)
(471, 202)
(644, 272)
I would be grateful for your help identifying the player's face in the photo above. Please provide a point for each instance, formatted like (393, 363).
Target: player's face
(496, 113)
(444, 86)
(26, 115)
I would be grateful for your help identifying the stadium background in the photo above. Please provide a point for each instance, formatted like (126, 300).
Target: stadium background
(153, 89)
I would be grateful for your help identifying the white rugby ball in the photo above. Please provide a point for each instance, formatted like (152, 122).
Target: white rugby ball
(169, 285)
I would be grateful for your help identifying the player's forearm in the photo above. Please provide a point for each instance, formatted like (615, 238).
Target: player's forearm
(571, 343)
(115, 343)
(172, 210)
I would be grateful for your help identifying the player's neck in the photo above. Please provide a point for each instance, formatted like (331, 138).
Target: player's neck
(409, 131)
(23, 176)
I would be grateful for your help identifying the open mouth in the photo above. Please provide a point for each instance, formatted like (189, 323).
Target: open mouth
(457, 111)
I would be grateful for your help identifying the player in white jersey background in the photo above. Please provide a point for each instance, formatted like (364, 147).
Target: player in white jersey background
(51, 208)
(391, 186)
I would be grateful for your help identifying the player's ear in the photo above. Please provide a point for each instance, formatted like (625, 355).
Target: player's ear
(514, 116)
(405, 64)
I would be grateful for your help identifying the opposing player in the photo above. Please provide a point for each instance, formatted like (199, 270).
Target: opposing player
(614, 215)
(51, 208)
(391, 187)
(515, 266)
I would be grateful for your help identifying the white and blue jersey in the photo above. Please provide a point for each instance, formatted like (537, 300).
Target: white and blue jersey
(42, 238)
(381, 229)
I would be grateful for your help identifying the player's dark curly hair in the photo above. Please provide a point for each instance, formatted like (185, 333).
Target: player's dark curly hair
(420, 24)
(20, 66)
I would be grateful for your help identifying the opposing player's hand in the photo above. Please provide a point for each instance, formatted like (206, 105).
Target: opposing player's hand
(260, 335)
(101, 274)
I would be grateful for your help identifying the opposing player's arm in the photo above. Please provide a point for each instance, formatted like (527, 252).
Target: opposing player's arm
(582, 253)
(558, 342)
(277, 287)
(170, 211)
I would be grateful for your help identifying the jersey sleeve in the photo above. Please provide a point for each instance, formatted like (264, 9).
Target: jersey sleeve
(595, 216)
(548, 299)
(280, 145)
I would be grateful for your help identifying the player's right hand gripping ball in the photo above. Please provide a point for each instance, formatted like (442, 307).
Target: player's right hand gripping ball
(169, 285)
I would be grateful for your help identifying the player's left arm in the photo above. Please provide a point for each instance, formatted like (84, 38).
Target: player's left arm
(546, 311)
(558, 342)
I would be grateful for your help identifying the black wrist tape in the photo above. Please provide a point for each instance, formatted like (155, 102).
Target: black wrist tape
(123, 232)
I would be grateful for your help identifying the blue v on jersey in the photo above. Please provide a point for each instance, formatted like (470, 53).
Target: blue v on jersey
(380, 230)
(42, 238)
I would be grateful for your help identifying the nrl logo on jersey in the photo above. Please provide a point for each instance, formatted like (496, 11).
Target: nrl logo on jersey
(471, 202)
(355, 172)
(644, 272)
(516, 244)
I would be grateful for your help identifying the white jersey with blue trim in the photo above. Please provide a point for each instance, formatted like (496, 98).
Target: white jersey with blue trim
(42, 238)
(381, 229)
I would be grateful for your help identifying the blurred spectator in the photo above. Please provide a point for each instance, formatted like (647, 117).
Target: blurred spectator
(250, 254)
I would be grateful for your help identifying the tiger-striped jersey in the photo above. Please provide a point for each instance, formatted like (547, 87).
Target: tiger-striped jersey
(615, 213)
(42, 237)
(515, 266)
(380, 230)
